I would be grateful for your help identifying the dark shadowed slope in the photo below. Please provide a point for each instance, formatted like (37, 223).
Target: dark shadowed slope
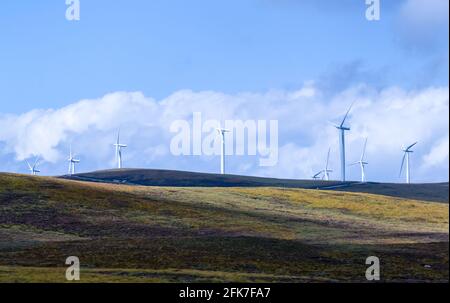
(437, 192)
(150, 177)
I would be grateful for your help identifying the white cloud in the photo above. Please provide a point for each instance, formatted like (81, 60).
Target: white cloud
(307, 91)
(40, 132)
(390, 118)
(438, 155)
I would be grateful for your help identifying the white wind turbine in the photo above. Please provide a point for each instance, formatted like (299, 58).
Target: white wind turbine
(72, 162)
(222, 133)
(362, 163)
(342, 129)
(407, 151)
(119, 147)
(33, 169)
(326, 172)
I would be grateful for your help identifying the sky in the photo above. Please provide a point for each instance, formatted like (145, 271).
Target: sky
(140, 65)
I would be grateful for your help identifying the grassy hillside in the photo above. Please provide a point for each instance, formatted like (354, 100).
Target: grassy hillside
(125, 233)
(428, 192)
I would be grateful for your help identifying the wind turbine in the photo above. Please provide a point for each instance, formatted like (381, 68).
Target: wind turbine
(119, 147)
(362, 163)
(222, 133)
(33, 169)
(72, 162)
(326, 171)
(407, 151)
(342, 129)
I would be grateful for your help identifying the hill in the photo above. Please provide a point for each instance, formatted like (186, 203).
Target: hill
(437, 192)
(124, 233)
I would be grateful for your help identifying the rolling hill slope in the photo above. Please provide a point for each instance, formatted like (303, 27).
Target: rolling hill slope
(125, 233)
(438, 192)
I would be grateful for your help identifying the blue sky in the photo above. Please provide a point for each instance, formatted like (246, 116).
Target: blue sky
(229, 47)
(159, 47)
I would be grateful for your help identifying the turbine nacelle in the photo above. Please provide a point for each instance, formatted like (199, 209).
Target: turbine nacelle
(342, 128)
(73, 160)
(223, 131)
(359, 162)
(339, 127)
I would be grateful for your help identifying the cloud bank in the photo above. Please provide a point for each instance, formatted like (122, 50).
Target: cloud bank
(389, 117)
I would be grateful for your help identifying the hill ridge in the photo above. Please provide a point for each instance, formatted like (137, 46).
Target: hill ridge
(433, 192)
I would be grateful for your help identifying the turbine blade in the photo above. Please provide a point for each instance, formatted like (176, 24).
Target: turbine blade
(29, 166)
(317, 175)
(403, 163)
(334, 124)
(328, 158)
(36, 163)
(346, 115)
(411, 146)
(364, 150)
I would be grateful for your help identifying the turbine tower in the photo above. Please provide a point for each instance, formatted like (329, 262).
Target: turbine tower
(72, 162)
(222, 133)
(33, 169)
(342, 129)
(407, 151)
(119, 147)
(362, 163)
